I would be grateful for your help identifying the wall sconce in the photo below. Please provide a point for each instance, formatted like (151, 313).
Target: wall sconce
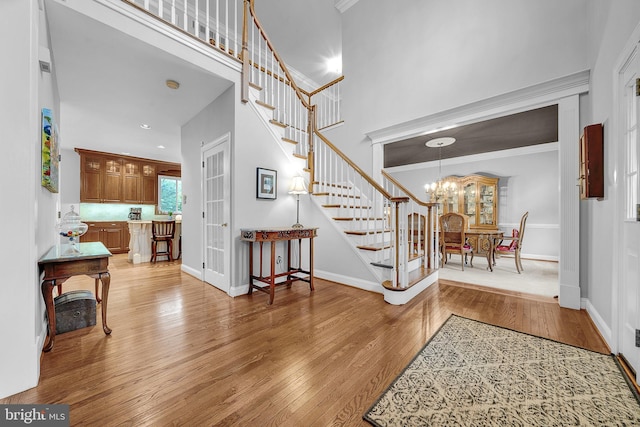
(297, 187)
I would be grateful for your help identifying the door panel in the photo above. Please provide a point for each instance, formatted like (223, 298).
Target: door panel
(216, 199)
(629, 297)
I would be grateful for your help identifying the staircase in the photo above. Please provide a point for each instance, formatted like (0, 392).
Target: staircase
(388, 227)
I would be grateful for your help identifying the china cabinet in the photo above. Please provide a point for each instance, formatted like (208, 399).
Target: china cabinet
(475, 196)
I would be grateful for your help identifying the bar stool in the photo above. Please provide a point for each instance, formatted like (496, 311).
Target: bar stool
(162, 231)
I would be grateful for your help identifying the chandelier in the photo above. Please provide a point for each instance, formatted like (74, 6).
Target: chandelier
(441, 188)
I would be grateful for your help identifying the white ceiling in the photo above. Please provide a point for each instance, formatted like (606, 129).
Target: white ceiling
(109, 83)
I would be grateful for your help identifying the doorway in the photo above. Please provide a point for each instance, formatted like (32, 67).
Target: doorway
(216, 199)
(629, 227)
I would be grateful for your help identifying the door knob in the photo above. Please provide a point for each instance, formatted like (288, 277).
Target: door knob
(224, 225)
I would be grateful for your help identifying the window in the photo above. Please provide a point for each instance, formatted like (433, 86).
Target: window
(169, 194)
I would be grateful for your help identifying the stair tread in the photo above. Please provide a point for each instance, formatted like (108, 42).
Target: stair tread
(255, 86)
(277, 123)
(345, 206)
(336, 194)
(265, 105)
(415, 277)
(290, 141)
(300, 156)
(332, 185)
(375, 246)
(350, 218)
(365, 232)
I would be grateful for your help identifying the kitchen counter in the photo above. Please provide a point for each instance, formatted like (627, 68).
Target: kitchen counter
(140, 240)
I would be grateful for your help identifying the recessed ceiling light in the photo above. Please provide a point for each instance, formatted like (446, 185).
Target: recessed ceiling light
(125, 153)
(172, 84)
(145, 126)
(161, 147)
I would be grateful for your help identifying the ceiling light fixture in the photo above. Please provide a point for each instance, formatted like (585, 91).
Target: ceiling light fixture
(161, 147)
(172, 84)
(145, 126)
(437, 190)
(334, 65)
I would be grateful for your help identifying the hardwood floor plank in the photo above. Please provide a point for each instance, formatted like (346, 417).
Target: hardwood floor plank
(184, 353)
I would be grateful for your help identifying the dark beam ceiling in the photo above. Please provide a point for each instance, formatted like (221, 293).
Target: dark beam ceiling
(532, 127)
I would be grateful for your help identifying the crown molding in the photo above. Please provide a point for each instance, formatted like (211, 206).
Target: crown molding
(343, 5)
(497, 106)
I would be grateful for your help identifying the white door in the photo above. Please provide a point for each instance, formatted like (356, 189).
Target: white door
(629, 299)
(216, 212)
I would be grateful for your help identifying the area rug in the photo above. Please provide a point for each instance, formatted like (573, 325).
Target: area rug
(474, 374)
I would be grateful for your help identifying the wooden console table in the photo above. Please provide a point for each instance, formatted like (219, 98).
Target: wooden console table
(274, 235)
(59, 265)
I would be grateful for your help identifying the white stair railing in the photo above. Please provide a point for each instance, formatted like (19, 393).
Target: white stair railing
(422, 236)
(217, 22)
(328, 102)
(377, 218)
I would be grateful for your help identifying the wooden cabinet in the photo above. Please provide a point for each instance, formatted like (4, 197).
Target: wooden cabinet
(91, 178)
(149, 183)
(109, 178)
(475, 196)
(113, 234)
(592, 162)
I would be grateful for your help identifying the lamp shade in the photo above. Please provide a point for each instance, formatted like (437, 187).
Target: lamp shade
(297, 186)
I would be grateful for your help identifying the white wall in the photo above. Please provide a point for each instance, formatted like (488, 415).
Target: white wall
(28, 210)
(214, 121)
(611, 24)
(409, 58)
(528, 182)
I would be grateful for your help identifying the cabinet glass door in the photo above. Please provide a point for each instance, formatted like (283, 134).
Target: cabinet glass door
(487, 198)
(470, 203)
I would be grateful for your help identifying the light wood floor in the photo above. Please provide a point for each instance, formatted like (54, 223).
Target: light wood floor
(185, 353)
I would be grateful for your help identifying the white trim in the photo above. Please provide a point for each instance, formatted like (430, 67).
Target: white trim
(191, 271)
(403, 297)
(599, 322)
(343, 5)
(349, 281)
(617, 290)
(497, 106)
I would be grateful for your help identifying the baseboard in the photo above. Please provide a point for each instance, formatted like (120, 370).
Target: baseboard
(191, 271)
(403, 297)
(350, 281)
(598, 321)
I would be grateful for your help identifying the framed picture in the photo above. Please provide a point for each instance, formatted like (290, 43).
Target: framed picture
(49, 152)
(267, 184)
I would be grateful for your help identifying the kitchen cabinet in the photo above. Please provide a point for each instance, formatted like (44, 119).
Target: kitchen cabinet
(113, 234)
(109, 178)
(139, 182)
(475, 196)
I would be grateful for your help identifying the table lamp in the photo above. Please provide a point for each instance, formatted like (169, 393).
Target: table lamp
(297, 187)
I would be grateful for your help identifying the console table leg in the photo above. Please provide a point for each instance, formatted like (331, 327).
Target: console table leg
(272, 281)
(47, 293)
(105, 278)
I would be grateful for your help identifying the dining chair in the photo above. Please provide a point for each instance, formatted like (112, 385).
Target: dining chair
(162, 231)
(452, 238)
(513, 248)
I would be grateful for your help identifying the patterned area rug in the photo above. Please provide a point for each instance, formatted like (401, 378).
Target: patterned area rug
(474, 374)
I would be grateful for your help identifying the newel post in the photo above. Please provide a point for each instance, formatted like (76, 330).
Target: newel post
(400, 264)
